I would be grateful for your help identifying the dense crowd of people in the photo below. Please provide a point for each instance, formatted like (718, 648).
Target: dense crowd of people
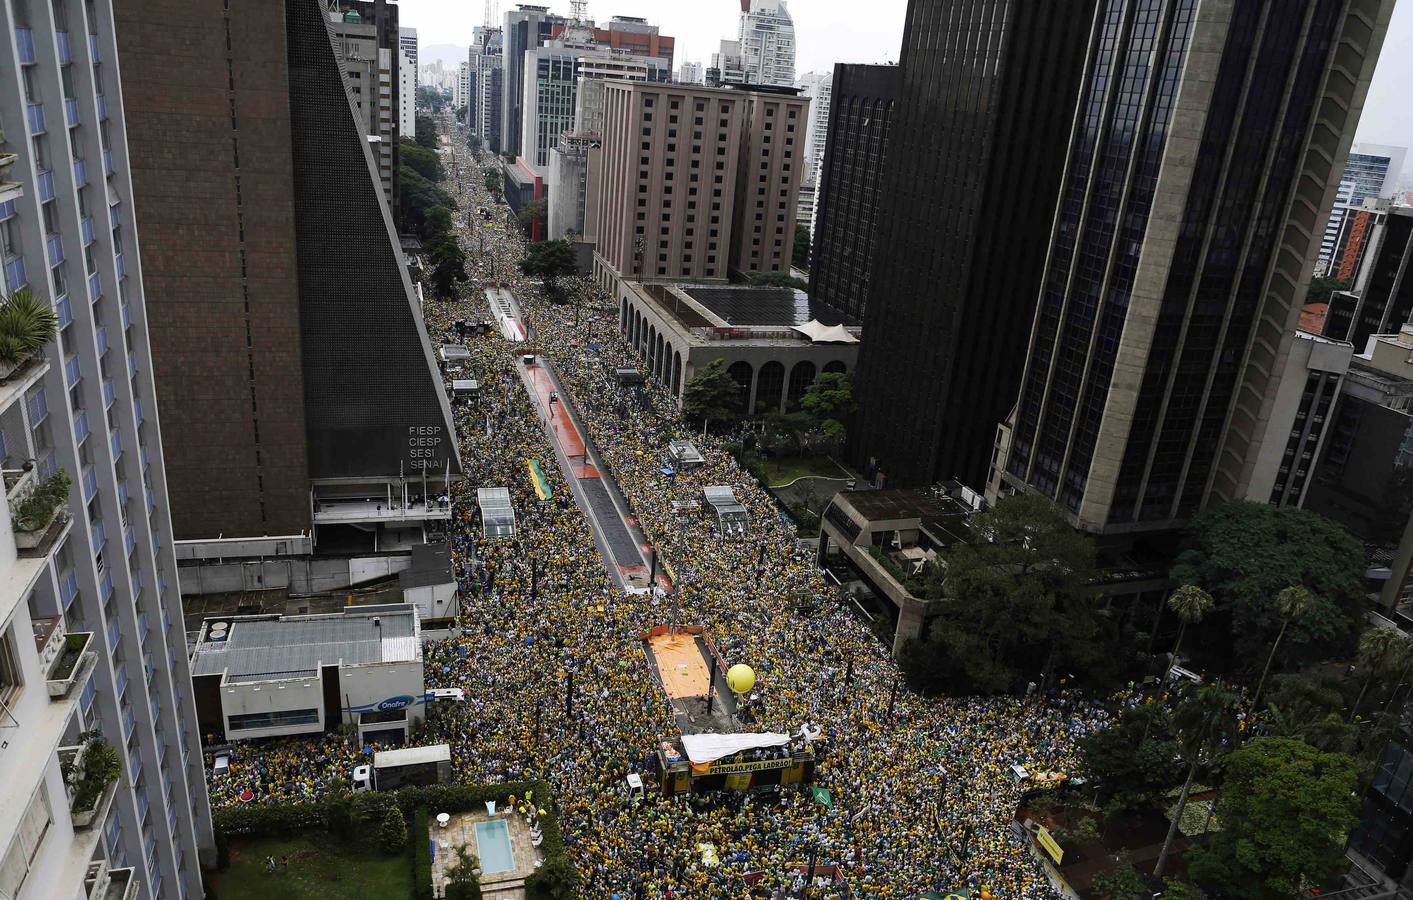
(921, 791)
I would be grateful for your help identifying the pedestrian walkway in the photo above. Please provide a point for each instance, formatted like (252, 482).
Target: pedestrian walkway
(616, 531)
(507, 313)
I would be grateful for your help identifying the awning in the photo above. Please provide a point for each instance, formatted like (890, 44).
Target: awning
(706, 748)
(819, 333)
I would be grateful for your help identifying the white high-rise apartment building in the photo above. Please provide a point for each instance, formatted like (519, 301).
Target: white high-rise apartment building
(461, 91)
(407, 81)
(91, 633)
(691, 73)
(767, 38)
(819, 88)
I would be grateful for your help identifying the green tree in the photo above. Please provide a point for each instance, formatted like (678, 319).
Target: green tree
(549, 261)
(1133, 762)
(1380, 649)
(532, 212)
(1018, 594)
(463, 878)
(1294, 604)
(1191, 604)
(432, 99)
(426, 132)
(1322, 288)
(830, 402)
(494, 181)
(392, 835)
(1285, 809)
(1245, 554)
(1308, 708)
(474, 142)
(777, 279)
(425, 162)
(555, 880)
(711, 395)
(1205, 724)
(1121, 881)
(418, 196)
(801, 256)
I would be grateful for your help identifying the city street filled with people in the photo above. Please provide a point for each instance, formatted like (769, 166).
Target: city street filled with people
(921, 793)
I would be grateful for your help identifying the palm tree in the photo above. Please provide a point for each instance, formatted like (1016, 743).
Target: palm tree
(1205, 724)
(1293, 603)
(1191, 604)
(1377, 647)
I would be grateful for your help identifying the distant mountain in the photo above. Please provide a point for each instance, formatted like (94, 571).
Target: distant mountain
(449, 54)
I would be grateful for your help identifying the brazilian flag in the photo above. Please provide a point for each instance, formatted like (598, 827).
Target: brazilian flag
(537, 477)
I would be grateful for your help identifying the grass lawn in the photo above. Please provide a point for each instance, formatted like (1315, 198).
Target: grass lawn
(781, 470)
(320, 867)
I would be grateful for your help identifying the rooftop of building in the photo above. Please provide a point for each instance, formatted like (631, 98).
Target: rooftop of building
(745, 305)
(266, 648)
(733, 88)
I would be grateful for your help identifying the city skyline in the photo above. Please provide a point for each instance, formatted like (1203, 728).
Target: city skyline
(831, 31)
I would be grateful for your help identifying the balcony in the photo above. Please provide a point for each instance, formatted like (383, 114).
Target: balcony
(102, 108)
(73, 371)
(90, 773)
(94, 56)
(42, 514)
(104, 883)
(80, 173)
(54, 249)
(66, 54)
(46, 186)
(48, 639)
(71, 114)
(108, 393)
(71, 666)
(34, 114)
(107, 162)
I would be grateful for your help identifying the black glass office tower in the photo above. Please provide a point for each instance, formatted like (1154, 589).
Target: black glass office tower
(850, 185)
(1205, 151)
(986, 95)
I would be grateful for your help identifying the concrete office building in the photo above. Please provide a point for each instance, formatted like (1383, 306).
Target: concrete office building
(90, 621)
(1151, 378)
(291, 353)
(695, 182)
(849, 190)
(461, 91)
(767, 39)
(629, 35)
(274, 676)
(567, 180)
(773, 341)
(976, 150)
(526, 27)
(1380, 300)
(366, 54)
(1371, 171)
(727, 65)
(486, 59)
(818, 86)
(407, 81)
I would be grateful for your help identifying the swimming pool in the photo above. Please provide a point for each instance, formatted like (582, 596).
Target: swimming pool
(493, 845)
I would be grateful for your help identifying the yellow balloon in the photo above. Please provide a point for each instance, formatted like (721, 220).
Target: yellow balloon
(740, 678)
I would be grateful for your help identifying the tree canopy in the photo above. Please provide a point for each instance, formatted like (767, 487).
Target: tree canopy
(801, 257)
(426, 162)
(426, 132)
(1322, 288)
(1245, 554)
(1018, 604)
(830, 402)
(1285, 810)
(1133, 762)
(711, 395)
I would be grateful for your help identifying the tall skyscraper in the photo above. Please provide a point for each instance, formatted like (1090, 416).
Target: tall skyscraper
(91, 634)
(1372, 170)
(1204, 150)
(986, 95)
(365, 41)
(406, 92)
(850, 185)
(407, 40)
(526, 27)
(767, 38)
(669, 207)
(818, 86)
(727, 66)
(487, 58)
(291, 353)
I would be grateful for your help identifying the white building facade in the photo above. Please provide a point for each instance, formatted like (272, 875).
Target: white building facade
(91, 633)
(767, 39)
(691, 73)
(407, 80)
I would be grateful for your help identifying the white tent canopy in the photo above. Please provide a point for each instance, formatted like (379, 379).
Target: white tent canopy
(819, 333)
(705, 748)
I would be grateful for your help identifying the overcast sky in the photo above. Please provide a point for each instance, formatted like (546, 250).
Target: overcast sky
(830, 31)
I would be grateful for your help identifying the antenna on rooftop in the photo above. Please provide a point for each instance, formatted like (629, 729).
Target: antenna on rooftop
(492, 12)
(578, 10)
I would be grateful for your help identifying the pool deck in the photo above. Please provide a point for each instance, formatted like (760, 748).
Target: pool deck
(461, 830)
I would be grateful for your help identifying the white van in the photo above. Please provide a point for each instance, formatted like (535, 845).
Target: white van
(362, 779)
